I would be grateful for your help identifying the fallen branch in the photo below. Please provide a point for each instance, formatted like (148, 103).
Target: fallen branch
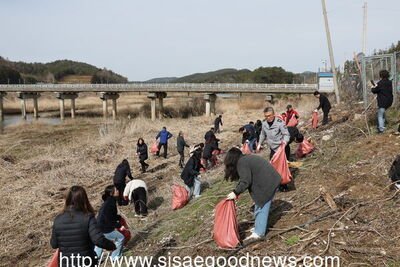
(296, 227)
(363, 250)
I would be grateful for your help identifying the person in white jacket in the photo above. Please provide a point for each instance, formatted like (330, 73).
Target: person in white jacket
(136, 192)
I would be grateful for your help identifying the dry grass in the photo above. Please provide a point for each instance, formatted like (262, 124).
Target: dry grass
(39, 162)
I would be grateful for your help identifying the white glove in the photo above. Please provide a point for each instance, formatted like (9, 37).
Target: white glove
(231, 196)
(198, 176)
(315, 110)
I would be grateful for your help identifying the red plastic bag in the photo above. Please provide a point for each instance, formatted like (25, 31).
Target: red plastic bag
(203, 163)
(304, 149)
(180, 197)
(215, 153)
(126, 233)
(226, 230)
(246, 149)
(154, 147)
(293, 122)
(54, 259)
(314, 120)
(279, 161)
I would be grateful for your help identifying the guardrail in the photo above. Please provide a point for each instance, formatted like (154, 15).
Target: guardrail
(163, 87)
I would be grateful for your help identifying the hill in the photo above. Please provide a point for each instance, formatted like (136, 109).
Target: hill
(218, 76)
(162, 80)
(54, 72)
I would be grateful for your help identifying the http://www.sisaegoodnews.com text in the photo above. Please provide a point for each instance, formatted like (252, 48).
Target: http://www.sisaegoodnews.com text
(199, 261)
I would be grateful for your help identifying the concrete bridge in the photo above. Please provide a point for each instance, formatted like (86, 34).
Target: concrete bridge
(156, 93)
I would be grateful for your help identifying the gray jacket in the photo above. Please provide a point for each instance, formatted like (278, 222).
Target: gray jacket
(276, 134)
(259, 177)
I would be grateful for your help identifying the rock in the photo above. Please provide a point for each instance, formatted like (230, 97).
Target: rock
(326, 137)
(358, 117)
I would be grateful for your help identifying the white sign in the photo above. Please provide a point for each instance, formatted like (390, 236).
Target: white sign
(325, 84)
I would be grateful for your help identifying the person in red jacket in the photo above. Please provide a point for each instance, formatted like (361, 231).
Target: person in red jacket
(290, 112)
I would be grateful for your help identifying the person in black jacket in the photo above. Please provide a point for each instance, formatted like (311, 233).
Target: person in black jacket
(123, 170)
(75, 231)
(141, 151)
(108, 220)
(384, 92)
(210, 146)
(191, 173)
(260, 178)
(210, 134)
(180, 146)
(325, 105)
(217, 123)
(295, 136)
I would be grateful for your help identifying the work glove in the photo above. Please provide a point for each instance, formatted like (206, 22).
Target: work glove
(126, 198)
(283, 143)
(231, 196)
(315, 110)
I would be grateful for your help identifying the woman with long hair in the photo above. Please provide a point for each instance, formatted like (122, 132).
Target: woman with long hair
(108, 220)
(259, 177)
(75, 231)
(141, 152)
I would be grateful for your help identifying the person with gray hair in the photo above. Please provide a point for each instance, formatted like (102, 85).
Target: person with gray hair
(274, 131)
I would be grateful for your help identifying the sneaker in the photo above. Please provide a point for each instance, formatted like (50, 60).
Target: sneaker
(197, 196)
(397, 186)
(252, 237)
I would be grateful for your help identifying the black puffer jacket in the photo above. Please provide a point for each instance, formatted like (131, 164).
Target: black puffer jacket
(324, 103)
(192, 169)
(142, 150)
(108, 218)
(208, 149)
(121, 172)
(77, 233)
(384, 91)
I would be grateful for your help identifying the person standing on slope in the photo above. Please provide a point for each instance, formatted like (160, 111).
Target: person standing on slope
(275, 132)
(164, 135)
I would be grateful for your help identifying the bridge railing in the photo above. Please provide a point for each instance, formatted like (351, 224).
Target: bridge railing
(201, 87)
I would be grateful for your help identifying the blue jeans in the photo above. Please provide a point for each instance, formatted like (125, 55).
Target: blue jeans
(195, 190)
(118, 240)
(381, 119)
(251, 144)
(261, 218)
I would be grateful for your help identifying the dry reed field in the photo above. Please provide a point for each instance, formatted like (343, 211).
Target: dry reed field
(39, 162)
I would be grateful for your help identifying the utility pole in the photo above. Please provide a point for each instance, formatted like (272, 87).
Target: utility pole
(364, 42)
(328, 37)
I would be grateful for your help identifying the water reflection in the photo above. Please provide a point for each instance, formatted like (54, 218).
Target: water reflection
(16, 119)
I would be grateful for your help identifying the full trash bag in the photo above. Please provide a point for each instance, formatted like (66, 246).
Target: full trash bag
(304, 149)
(246, 148)
(180, 197)
(154, 147)
(226, 230)
(125, 232)
(54, 259)
(279, 161)
(314, 120)
(293, 122)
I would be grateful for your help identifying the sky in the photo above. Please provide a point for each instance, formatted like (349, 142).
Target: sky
(171, 38)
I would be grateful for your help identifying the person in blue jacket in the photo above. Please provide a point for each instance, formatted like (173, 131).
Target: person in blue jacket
(164, 135)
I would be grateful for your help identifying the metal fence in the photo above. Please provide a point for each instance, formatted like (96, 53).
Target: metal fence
(370, 68)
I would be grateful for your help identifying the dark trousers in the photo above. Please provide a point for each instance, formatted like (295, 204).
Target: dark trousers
(216, 129)
(287, 152)
(165, 147)
(144, 164)
(121, 187)
(181, 159)
(139, 200)
(209, 163)
(326, 117)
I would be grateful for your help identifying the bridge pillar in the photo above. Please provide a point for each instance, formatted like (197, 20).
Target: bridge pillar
(157, 104)
(113, 96)
(210, 104)
(2, 94)
(269, 99)
(66, 95)
(29, 95)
